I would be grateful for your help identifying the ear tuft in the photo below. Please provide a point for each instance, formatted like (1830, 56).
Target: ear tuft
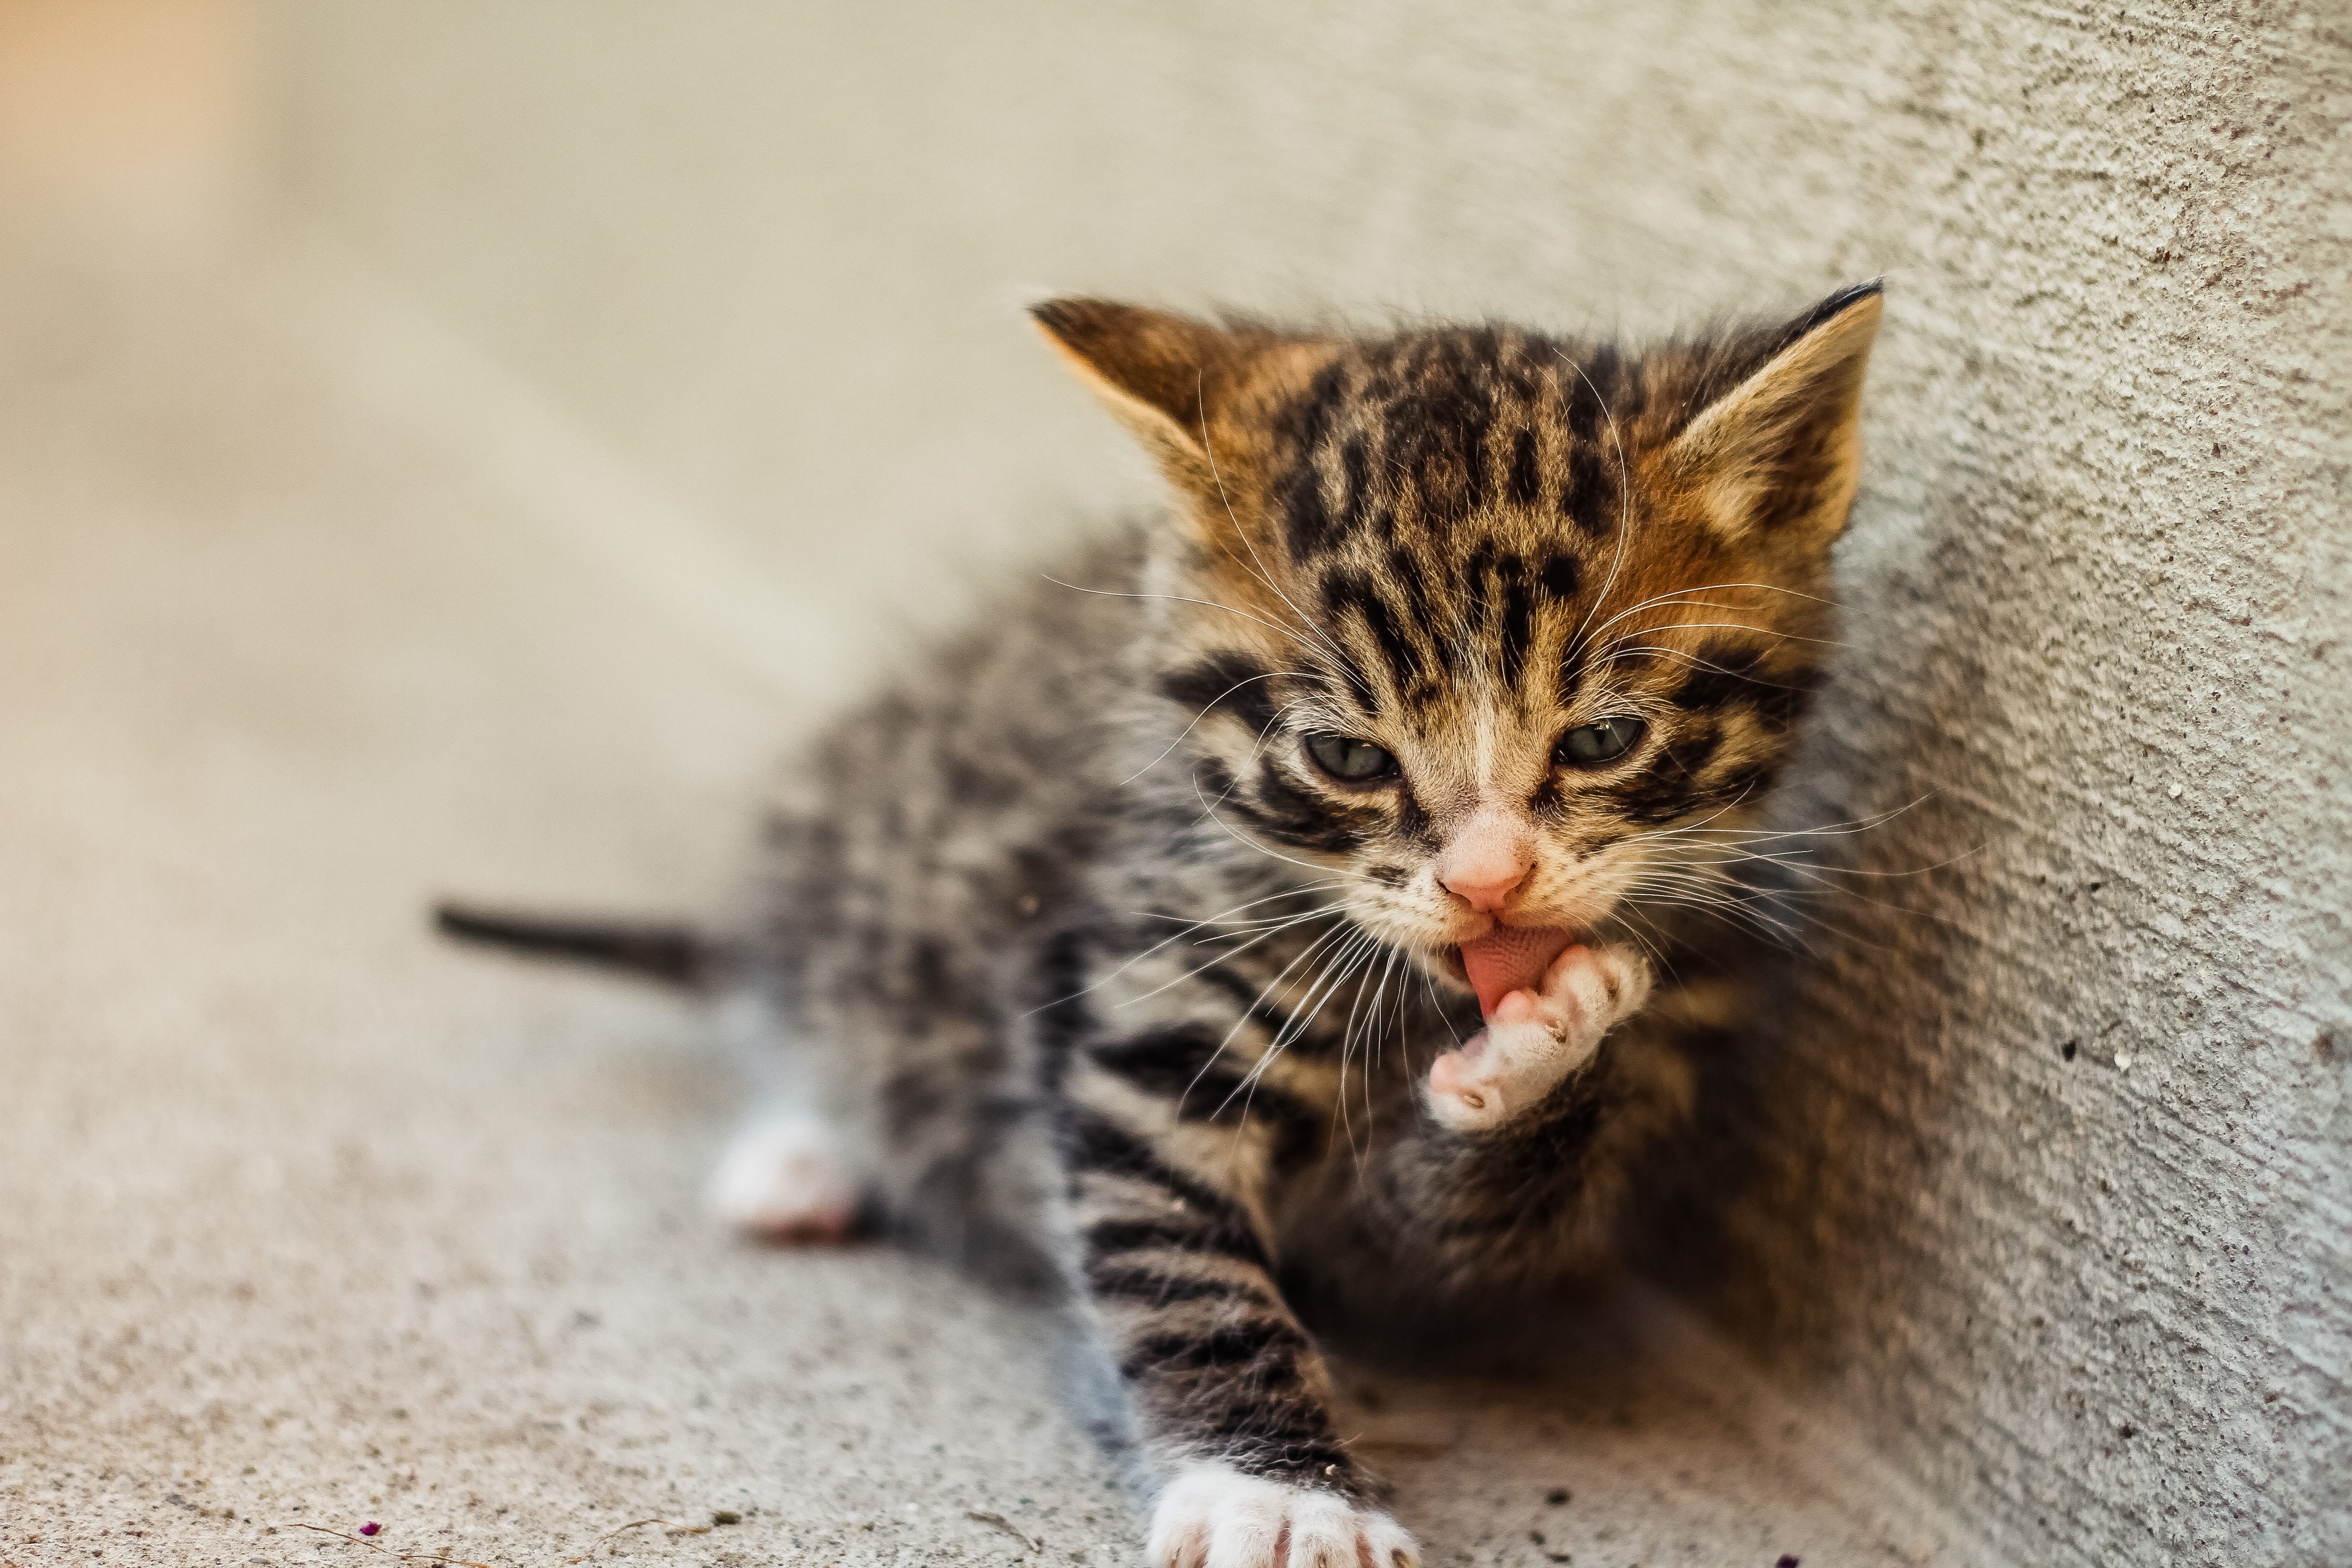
(1779, 456)
(1829, 309)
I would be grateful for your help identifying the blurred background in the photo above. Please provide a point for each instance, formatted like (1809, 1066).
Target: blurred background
(461, 445)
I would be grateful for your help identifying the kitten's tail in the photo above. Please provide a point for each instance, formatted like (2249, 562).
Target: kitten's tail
(675, 955)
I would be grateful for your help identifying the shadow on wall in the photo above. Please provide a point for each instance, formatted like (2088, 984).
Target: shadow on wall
(1819, 1127)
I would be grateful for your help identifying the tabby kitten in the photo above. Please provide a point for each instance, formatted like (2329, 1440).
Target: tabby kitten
(1278, 911)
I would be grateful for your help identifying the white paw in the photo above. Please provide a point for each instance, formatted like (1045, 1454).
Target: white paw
(786, 1179)
(1212, 1516)
(1536, 1039)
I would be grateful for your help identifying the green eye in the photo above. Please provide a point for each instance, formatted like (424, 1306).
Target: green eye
(1349, 760)
(1590, 745)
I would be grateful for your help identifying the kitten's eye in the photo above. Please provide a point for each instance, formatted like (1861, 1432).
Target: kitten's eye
(1348, 759)
(1589, 745)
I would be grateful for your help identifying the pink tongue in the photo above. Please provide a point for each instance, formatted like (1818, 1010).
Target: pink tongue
(1511, 958)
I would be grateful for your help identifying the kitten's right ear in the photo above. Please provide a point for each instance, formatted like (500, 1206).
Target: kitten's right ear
(1162, 376)
(1778, 457)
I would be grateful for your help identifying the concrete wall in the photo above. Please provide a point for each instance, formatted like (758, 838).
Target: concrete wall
(2060, 1176)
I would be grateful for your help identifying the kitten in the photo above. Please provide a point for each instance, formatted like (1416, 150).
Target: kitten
(1280, 911)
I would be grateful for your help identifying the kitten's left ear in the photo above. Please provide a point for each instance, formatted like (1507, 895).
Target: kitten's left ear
(1185, 387)
(1159, 373)
(1776, 460)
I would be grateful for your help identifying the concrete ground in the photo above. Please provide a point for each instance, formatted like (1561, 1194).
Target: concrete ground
(306, 1222)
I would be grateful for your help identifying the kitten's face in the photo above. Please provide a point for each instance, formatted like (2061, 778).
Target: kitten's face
(1506, 630)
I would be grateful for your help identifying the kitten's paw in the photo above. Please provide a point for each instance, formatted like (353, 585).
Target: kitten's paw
(1212, 1516)
(786, 1179)
(1536, 1039)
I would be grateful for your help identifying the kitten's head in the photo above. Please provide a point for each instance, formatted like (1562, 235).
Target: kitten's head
(1492, 627)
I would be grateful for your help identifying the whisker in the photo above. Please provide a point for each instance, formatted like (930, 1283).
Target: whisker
(1283, 1035)
(1351, 957)
(1210, 810)
(1237, 908)
(1173, 599)
(1174, 937)
(1675, 595)
(1229, 954)
(1250, 1013)
(1199, 718)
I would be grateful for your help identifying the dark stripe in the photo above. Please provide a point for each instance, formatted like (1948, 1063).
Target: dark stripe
(1353, 591)
(1590, 381)
(1589, 500)
(1518, 622)
(1059, 981)
(1319, 1040)
(1288, 1441)
(1356, 479)
(1281, 810)
(1245, 991)
(1407, 572)
(1298, 834)
(1168, 1061)
(1724, 676)
(1135, 1282)
(1746, 785)
(1779, 707)
(1226, 681)
(1182, 1063)
(1186, 1232)
(1719, 673)
(1216, 781)
(1092, 1142)
(1526, 483)
(1307, 520)
(1572, 675)
(1466, 408)
(1341, 676)
(1670, 787)
(1217, 1350)
(1413, 820)
(1562, 576)
(1477, 567)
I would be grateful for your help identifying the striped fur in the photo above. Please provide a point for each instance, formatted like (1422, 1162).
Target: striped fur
(1106, 979)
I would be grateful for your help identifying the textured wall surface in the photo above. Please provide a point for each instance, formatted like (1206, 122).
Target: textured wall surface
(2059, 1187)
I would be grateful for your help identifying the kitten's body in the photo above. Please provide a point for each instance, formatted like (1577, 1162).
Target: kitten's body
(1131, 938)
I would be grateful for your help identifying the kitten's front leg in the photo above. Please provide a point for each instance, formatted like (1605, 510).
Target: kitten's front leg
(1232, 1397)
(1536, 1039)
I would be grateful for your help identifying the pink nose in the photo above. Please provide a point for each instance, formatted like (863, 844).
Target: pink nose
(1487, 858)
(1486, 894)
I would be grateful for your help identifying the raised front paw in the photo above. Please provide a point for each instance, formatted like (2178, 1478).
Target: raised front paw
(1534, 1038)
(1212, 1516)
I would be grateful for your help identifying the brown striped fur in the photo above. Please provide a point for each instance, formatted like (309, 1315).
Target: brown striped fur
(1025, 951)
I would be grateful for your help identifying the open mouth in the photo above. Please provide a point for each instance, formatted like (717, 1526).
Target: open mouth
(1506, 959)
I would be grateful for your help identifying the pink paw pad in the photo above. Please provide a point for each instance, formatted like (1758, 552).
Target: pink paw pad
(1535, 1037)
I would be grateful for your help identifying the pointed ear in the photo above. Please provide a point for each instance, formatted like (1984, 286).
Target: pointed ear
(1163, 375)
(1777, 458)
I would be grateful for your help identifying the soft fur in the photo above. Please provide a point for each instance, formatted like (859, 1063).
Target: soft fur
(1076, 961)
